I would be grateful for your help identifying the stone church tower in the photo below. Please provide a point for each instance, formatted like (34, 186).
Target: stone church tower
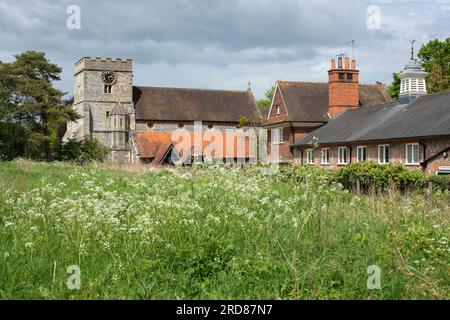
(103, 97)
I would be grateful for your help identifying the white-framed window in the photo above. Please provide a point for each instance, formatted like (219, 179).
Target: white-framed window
(278, 110)
(383, 154)
(412, 153)
(277, 136)
(325, 156)
(310, 156)
(342, 155)
(361, 153)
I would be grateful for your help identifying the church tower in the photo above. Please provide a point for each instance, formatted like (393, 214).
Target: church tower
(100, 86)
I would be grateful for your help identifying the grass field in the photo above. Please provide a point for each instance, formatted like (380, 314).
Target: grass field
(213, 233)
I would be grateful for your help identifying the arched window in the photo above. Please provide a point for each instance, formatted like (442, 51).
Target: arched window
(108, 89)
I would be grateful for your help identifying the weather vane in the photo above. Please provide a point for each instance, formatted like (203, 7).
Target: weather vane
(412, 49)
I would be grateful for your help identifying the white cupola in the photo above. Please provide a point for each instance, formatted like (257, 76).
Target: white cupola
(413, 78)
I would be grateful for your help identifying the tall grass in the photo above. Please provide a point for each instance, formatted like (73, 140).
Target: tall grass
(213, 233)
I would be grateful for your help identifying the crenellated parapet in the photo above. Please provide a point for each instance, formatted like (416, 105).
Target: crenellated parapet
(101, 64)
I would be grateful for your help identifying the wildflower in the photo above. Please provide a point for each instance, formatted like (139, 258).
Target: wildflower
(29, 245)
(6, 255)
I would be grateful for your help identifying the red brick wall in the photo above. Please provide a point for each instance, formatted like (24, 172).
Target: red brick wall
(290, 135)
(397, 153)
(434, 146)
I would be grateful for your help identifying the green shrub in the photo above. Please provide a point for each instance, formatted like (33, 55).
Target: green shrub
(12, 141)
(84, 151)
(301, 174)
(374, 176)
(440, 182)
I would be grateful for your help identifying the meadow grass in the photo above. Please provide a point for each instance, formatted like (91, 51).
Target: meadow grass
(213, 233)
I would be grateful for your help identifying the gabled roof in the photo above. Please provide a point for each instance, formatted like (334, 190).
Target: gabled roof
(175, 104)
(118, 110)
(308, 101)
(409, 117)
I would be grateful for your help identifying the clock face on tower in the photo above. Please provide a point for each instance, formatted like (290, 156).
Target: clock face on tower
(109, 78)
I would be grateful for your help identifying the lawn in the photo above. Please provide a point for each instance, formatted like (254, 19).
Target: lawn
(214, 233)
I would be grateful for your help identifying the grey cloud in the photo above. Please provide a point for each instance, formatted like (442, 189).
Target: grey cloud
(221, 43)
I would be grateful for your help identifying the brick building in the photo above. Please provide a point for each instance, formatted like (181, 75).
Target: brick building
(137, 124)
(299, 108)
(413, 130)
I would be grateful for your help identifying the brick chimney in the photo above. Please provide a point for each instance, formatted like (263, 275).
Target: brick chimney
(343, 84)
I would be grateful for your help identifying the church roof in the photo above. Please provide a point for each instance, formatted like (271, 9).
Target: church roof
(408, 117)
(175, 104)
(308, 101)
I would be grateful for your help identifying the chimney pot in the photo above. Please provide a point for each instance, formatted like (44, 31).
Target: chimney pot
(333, 64)
(347, 63)
(340, 62)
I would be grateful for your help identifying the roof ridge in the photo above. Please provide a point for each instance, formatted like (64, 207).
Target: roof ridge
(326, 83)
(434, 94)
(193, 89)
(301, 82)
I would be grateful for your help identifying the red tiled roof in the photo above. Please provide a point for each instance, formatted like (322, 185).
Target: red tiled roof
(308, 101)
(157, 144)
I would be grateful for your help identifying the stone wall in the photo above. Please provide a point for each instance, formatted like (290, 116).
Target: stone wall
(165, 126)
(94, 105)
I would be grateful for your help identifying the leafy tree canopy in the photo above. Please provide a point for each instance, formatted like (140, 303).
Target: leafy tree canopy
(265, 103)
(27, 97)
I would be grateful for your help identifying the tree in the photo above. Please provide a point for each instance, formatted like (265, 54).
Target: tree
(12, 141)
(265, 103)
(8, 83)
(38, 106)
(435, 57)
(437, 81)
(394, 88)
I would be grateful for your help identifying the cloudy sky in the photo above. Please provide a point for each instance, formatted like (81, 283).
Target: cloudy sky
(224, 44)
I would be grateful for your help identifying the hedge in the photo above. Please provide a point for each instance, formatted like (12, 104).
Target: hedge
(370, 176)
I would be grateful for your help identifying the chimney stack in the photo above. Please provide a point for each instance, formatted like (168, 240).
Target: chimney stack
(343, 85)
